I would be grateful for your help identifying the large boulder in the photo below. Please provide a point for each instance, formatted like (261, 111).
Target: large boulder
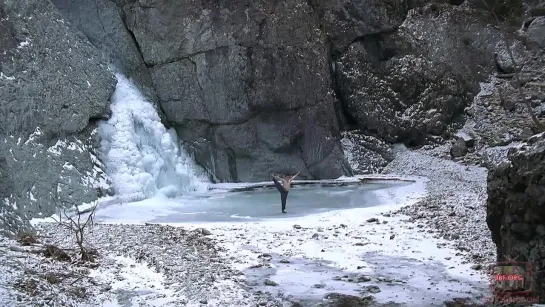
(415, 82)
(345, 21)
(366, 154)
(516, 207)
(404, 98)
(54, 86)
(536, 31)
(247, 85)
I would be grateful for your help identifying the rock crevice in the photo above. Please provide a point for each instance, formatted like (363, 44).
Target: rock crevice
(516, 211)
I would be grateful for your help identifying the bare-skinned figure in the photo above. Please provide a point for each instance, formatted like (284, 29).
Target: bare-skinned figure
(283, 187)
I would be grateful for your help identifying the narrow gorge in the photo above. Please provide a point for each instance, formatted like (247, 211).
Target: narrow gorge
(130, 99)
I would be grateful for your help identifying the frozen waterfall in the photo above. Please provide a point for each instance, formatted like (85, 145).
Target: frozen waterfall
(142, 157)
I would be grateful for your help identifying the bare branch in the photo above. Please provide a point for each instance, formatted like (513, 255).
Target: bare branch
(77, 226)
(542, 85)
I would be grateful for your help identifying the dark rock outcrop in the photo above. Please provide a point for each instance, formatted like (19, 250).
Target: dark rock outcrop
(408, 85)
(246, 85)
(404, 98)
(458, 148)
(516, 208)
(53, 87)
(346, 21)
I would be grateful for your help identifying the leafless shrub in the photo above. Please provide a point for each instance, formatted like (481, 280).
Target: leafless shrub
(78, 226)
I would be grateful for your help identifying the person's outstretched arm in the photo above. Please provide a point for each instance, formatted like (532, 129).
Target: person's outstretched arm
(293, 177)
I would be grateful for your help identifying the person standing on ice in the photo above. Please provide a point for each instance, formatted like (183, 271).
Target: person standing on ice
(283, 188)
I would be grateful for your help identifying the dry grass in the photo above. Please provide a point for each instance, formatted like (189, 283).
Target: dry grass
(27, 239)
(51, 251)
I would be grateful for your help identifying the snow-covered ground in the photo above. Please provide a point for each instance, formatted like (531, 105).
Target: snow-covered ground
(413, 243)
(374, 250)
(366, 242)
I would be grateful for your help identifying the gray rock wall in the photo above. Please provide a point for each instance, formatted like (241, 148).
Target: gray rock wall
(53, 87)
(101, 21)
(217, 68)
(220, 71)
(346, 21)
(247, 75)
(415, 82)
(516, 211)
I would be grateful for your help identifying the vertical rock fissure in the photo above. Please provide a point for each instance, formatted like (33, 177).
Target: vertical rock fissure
(133, 37)
(345, 120)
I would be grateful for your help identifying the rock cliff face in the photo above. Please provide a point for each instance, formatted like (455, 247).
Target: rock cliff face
(236, 80)
(101, 21)
(53, 86)
(251, 87)
(239, 82)
(516, 211)
(243, 84)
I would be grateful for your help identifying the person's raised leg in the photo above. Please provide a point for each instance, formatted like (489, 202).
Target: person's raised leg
(278, 186)
(284, 196)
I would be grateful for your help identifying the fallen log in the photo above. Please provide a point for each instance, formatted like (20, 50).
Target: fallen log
(536, 84)
(323, 183)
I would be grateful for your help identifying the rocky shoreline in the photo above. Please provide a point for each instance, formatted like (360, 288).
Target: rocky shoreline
(455, 207)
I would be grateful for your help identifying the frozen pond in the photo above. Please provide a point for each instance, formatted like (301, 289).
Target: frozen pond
(334, 239)
(254, 205)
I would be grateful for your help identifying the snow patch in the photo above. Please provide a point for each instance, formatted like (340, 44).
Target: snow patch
(23, 44)
(37, 132)
(9, 203)
(136, 278)
(68, 145)
(68, 166)
(2, 76)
